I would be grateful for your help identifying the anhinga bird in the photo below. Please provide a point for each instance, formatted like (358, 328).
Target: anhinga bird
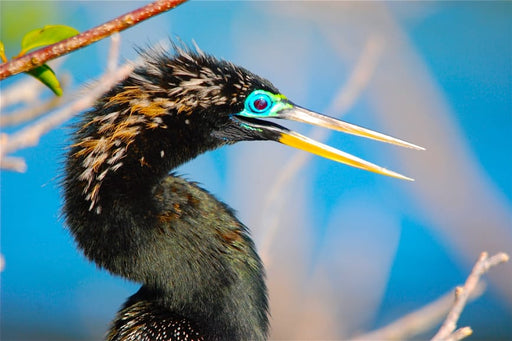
(201, 277)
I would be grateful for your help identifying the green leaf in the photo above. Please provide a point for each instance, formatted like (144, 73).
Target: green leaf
(46, 75)
(47, 35)
(2, 53)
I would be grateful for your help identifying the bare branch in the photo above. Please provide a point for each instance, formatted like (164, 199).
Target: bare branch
(459, 334)
(418, 321)
(39, 57)
(16, 164)
(484, 263)
(113, 52)
(343, 101)
(425, 318)
(36, 109)
(25, 90)
(30, 135)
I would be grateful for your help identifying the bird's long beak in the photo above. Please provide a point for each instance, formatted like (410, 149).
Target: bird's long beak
(283, 135)
(299, 141)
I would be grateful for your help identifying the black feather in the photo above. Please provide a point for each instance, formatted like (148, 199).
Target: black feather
(196, 262)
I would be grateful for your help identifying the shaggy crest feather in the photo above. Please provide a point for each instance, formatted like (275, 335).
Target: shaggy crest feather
(167, 85)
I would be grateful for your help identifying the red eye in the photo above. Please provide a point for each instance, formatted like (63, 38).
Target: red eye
(260, 104)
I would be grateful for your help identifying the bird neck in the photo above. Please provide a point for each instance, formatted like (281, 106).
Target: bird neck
(193, 257)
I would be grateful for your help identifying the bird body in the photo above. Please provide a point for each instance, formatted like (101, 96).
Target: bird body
(201, 276)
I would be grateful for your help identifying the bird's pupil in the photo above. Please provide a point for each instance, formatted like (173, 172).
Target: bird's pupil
(260, 104)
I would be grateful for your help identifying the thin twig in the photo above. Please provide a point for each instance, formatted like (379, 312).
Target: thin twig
(39, 57)
(484, 263)
(36, 109)
(16, 164)
(30, 135)
(343, 101)
(25, 90)
(418, 321)
(425, 318)
(459, 334)
(113, 52)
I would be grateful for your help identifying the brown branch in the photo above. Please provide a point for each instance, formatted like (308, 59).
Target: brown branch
(30, 135)
(447, 330)
(39, 57)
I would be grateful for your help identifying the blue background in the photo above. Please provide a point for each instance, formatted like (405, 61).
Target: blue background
(354, 250)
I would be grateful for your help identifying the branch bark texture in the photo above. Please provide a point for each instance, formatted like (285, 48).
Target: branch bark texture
(41, 56)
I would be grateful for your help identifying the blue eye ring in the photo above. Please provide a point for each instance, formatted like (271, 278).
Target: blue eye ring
(258, 102)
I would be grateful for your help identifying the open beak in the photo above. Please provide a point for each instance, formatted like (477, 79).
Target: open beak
(296, 140)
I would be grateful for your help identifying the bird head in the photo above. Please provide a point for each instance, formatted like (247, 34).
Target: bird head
(174, 107)
(261, 104)
(233, 104)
